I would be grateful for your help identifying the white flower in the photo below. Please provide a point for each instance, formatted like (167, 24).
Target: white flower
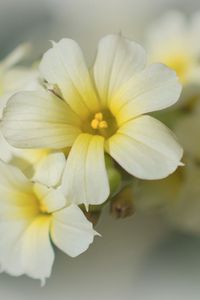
(31, 217)
(14, 77)
(174, 41)
(103, 114)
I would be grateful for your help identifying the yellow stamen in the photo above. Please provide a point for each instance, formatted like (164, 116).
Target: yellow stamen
(95, 124)
(98, 116)
(98, 122)
(103, 124)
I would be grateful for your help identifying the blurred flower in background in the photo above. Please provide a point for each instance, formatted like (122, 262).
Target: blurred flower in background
(174, 41)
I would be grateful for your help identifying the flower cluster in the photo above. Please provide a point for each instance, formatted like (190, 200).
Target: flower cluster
(76, 140)
(177, 197)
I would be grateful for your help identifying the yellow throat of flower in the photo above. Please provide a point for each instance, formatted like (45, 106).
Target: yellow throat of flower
(100, 123)
(181, 64)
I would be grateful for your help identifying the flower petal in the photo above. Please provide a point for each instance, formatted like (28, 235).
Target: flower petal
(26, 248)
(71, 231)
(39, 120)
(118, 59)
(15, 56)
(64, 66)
(85, 178)
(50, 168)
(50, 199)
(155, 88)
(145, 148)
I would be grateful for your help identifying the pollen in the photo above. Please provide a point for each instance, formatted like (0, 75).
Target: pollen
(98, 122)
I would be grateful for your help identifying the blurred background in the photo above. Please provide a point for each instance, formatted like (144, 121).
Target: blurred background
(140, 257)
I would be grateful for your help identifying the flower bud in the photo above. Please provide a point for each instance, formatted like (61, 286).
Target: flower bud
(122, 205)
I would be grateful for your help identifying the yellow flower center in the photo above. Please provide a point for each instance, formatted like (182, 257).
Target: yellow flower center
(42, 207)
(98, 122)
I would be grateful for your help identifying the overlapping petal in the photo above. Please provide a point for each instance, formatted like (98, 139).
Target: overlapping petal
(64, 66)
(71, 231)
(26, 248)
(85, 178)
(145, 148)
(49, 170)
(153, 89)
(39, 120)
(118, 59)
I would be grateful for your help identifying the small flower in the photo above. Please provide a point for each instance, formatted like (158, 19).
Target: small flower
(31, 217)
(14, 77)
(102, 114)
(174, 41)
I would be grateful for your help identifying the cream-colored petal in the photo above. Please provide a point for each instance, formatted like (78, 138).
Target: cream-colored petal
(153, 89)
(49, 170)
(118, 59)
(5, 149)
(15, 56)
(64, 66)
(71, 231)
(145, 148)
(19, 78)
(39, 120)
(50, 199)
(12, 178)
(85, 178)
(167, 36)
(17, 200)
(26, 248)
(3, 101)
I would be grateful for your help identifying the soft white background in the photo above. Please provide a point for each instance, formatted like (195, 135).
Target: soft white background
(137, 258)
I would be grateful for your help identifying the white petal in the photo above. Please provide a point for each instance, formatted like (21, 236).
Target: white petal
(71, 231)
(168, 36)
(5, 149)
(118, 59)
(17, 200)
(153, 89)
(12, 178)
(39, 120)
(26, 248)
(3, 101)
(49, 169)
(145, 148)
(64, 66)
(51, 199)
(85, 178)
(15, 56)
(19, 78)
